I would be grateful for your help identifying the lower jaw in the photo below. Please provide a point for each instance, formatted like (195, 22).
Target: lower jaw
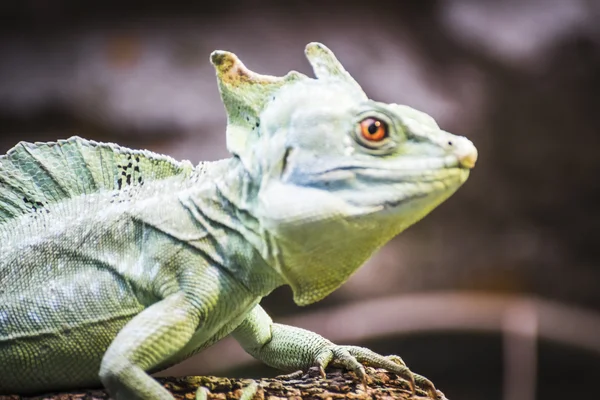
(410, 210)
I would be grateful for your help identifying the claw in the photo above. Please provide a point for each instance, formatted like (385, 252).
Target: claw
(427, 386)
(408, 376)
(411, 383)
(391, 363)
(322, 372)
(362, 375)
(364, 382)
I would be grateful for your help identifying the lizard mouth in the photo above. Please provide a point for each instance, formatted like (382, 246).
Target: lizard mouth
(407, 191)
(361, 178)
(386, 186)
(432, 188)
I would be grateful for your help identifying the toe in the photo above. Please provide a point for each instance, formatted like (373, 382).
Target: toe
(426, 385)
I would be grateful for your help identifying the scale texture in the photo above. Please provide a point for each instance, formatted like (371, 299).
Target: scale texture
(115, 263)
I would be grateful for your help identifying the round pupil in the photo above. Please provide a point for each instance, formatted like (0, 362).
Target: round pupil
(373, 128)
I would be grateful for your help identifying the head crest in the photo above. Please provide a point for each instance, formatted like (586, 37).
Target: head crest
(326, 66)
(245, 93)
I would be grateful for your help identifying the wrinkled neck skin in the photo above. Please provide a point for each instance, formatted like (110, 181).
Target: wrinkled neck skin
(222, 203)
(304, 236)
(319, 240)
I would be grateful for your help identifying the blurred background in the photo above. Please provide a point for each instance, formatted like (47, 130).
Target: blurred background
(495, 295)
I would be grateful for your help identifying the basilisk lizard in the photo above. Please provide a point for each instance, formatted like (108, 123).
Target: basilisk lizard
(115, 263)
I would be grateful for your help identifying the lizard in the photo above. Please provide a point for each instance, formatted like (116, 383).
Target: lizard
(116, 263)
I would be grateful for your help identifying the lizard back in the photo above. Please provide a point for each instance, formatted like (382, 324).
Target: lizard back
(34, 175)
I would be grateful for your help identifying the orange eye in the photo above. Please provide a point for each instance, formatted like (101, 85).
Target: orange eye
(373, 129)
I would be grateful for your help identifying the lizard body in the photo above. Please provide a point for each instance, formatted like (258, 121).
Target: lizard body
(117, 262)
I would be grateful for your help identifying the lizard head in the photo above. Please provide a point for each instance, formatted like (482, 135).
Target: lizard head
(337, 174)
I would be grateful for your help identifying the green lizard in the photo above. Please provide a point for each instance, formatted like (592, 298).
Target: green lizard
(115, 263)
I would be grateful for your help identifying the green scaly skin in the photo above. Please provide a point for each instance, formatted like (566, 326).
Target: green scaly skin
(115, 263)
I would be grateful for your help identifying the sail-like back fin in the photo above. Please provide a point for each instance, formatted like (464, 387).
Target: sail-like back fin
(34, 175)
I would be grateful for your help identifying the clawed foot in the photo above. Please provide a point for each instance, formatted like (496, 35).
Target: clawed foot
(353, 358)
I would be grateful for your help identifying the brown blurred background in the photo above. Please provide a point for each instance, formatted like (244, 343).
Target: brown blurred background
(493, 296)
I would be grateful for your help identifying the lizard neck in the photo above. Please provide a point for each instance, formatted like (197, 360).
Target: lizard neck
(224, 200)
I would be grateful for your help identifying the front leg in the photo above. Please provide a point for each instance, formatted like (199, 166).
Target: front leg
(150, 338)
(289, 348)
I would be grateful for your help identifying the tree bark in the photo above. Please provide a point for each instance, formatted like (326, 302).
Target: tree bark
(337, 385)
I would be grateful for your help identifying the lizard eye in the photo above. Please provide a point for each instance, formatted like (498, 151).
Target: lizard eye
(373, 130)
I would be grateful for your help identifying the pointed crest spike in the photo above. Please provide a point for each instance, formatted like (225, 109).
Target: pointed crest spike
(245, 95)
(323, 61)
(326, 65)
(232, 71)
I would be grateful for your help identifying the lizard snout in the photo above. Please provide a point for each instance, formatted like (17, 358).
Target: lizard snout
(465, 151)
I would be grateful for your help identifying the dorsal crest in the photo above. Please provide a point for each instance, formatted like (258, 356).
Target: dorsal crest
(35, 175)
